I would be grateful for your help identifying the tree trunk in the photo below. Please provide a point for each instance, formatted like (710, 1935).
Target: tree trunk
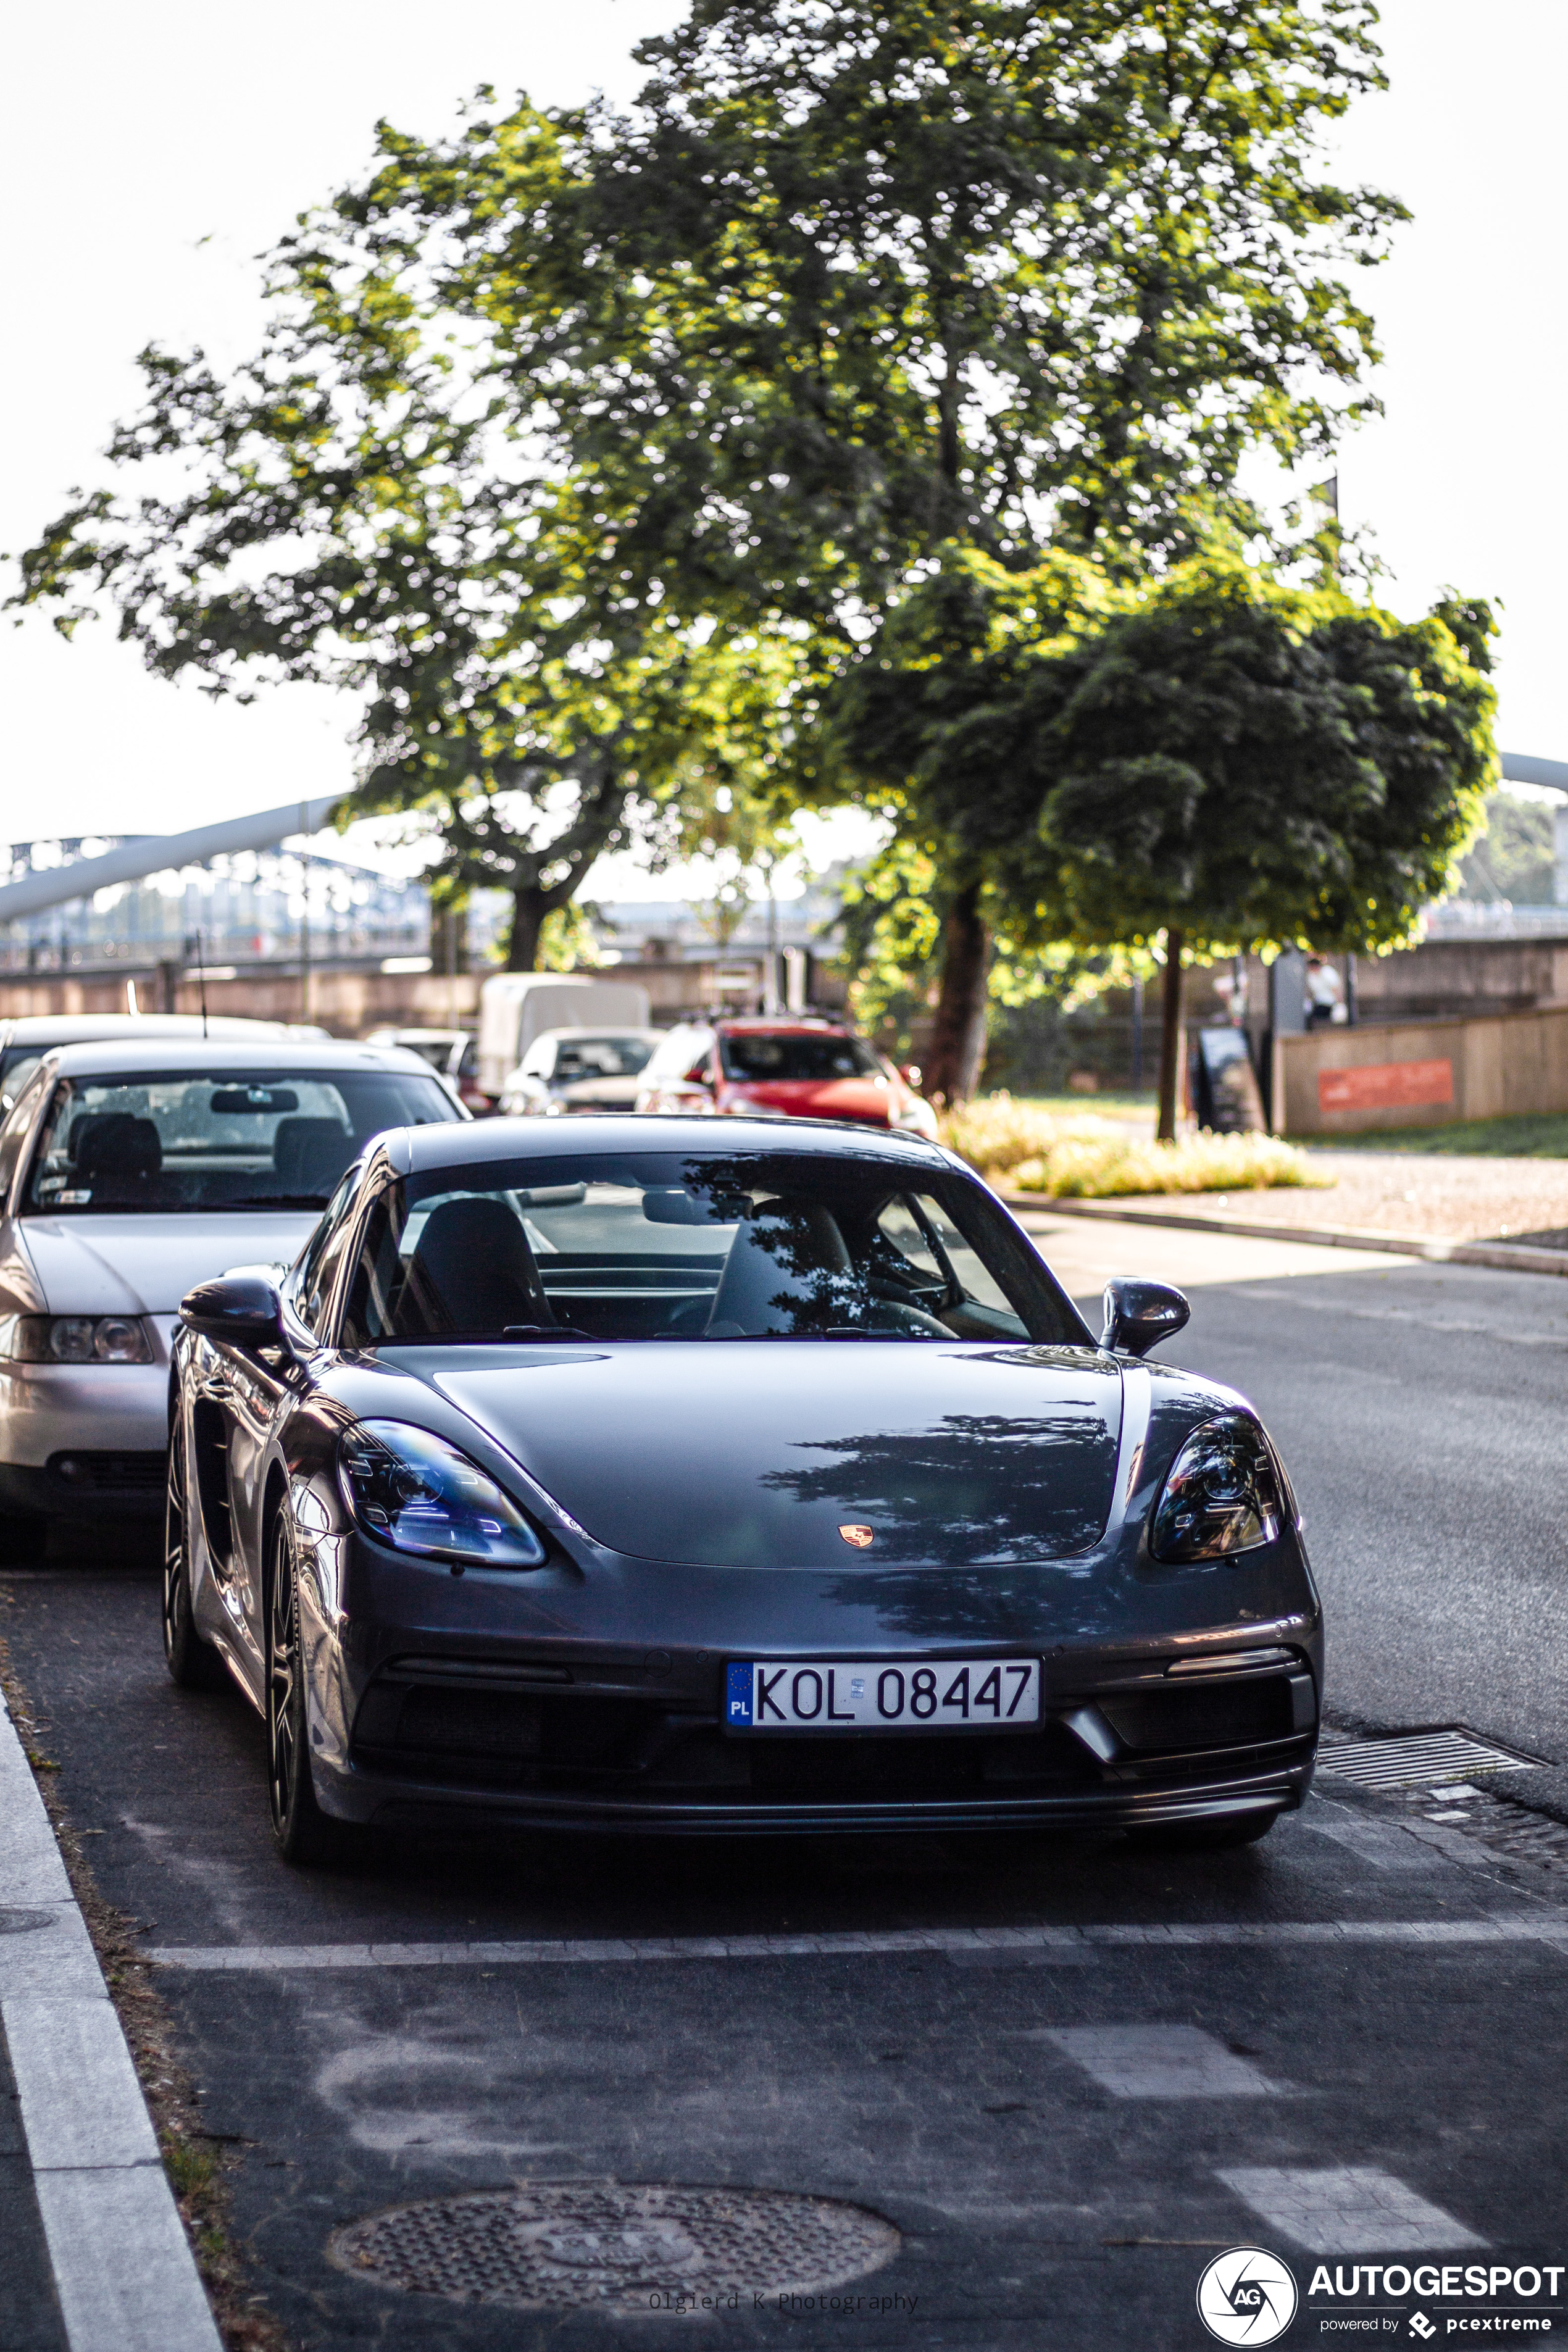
(1171, 1038)
(530, 906)
(958, 1034)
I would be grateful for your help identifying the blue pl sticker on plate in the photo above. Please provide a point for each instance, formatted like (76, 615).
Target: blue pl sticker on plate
(738, 1694)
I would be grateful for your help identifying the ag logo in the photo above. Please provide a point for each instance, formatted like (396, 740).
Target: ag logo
(1247, 2296)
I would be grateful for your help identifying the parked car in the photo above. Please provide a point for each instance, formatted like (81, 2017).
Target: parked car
(794, 1068)
(760, 1478)
(453, 1053)
(516, 1007)
(575, 1070)
(25, 1039)
(127, 1172)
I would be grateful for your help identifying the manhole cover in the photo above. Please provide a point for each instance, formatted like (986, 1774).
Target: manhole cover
(616, 2246)
(1450, 1755)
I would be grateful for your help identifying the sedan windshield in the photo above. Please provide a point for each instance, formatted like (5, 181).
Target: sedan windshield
(243, 1139)
(696, 1246)
(809, 1054)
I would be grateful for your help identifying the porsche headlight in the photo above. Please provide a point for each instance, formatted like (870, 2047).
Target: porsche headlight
(412, 1491)
(1221, 1493)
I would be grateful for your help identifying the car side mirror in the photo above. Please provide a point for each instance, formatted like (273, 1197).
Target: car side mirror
(241, 1308)
(1139, 1314)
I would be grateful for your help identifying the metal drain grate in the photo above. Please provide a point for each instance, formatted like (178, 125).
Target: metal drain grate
(614, 2246)
(1452, 1755)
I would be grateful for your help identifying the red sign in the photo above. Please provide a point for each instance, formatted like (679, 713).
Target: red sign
(1386, 1085)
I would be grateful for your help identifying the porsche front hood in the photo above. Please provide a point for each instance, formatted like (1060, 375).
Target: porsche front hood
(757, 1452)
(144, 1265)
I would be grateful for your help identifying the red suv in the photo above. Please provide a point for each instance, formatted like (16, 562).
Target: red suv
(793, 1067)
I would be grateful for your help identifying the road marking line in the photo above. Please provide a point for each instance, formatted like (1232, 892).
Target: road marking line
(1065, 1943)
(1159, 2061)
(122, 2266)
(1348, 2209)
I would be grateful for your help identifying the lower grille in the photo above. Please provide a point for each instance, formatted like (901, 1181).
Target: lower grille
(99, 1474)
(1227, 1714)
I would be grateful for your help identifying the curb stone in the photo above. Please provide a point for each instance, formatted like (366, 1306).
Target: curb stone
(1512, 1258)
(123, 2270)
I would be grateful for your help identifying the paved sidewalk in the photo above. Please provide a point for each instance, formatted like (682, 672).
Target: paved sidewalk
(30, 2308)
(94, 2243)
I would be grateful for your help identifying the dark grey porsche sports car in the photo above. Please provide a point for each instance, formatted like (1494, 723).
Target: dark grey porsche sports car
(726, 1476)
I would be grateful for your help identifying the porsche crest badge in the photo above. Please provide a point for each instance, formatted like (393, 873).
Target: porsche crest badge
(858, 1537)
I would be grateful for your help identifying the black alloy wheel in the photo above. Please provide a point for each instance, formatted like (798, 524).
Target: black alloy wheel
(304, 1833)
(193, 1663)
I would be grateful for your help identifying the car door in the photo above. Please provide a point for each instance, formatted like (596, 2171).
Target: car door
(237, 1398)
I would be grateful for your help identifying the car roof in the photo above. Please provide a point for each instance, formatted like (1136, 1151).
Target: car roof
(769, 1026)
(300, 1057)
(390, 1036)
(599, 1029)
(75, 1028)
(430, 1148)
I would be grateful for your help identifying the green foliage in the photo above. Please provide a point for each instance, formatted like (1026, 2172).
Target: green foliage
(848, 282)
(1241, 760)
(1250, 764)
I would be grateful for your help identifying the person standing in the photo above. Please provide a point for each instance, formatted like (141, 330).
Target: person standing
(1325, 994)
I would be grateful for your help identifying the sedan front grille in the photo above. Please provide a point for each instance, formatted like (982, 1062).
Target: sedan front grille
(107, 1474)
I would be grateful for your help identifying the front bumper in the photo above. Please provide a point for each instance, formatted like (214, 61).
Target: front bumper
(85, 1438)
(571, 1739)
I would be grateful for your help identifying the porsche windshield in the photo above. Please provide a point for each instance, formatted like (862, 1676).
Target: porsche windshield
(243, 1139)
(696, 1246)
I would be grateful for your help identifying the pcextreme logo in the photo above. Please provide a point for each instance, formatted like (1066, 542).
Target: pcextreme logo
(1247, 2296)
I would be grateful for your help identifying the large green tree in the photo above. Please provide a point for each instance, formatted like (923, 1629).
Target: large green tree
(849, 284)
(1219, 761)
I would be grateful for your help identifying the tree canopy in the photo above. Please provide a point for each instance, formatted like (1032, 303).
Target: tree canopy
(579, 399)
(1220, 757)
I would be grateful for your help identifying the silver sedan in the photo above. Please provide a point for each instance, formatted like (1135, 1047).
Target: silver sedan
(129, 1173)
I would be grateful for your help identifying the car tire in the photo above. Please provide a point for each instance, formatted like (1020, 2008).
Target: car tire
(22, 1541)
(192, 1663)
(304, 1834)
(1203, 1837)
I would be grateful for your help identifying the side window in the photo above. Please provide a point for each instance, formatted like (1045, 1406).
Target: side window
(13, 1135)
(371, 1313)
(323, 1255)
(974, 1275)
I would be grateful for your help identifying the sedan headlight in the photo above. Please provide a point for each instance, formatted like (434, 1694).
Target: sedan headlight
(74, 1340)
(1221, 1493)
(412, 1490)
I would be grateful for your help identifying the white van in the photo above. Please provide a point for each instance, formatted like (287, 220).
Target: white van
(515, 1007)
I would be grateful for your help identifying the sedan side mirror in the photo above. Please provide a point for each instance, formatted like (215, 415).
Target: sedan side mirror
(241, 1308)
(1139, 1314)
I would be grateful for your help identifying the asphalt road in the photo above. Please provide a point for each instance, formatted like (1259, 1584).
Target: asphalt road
(1052, 2081)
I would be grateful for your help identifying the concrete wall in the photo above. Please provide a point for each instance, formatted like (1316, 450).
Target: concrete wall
(1421, 1073)
(350, 1003)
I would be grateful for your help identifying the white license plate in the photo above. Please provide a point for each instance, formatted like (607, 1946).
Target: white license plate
(870, 1695)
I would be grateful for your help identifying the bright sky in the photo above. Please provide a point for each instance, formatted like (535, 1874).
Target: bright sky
(130, 137)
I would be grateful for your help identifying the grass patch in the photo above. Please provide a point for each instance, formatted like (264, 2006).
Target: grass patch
(1079, 1156)
(1531, 1135)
